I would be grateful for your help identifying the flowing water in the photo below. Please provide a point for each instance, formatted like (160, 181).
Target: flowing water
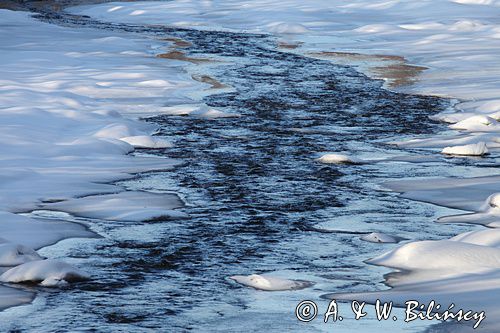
(258, 201)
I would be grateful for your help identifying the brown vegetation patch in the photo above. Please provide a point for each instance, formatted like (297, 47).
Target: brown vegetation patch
(289, 46)
(181, 43)
(210, 80)
(394, 69)
(178, 55)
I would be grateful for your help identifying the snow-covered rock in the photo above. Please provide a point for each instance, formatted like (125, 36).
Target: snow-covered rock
(270, 283)
(332, 158)
(46, 272)
(378, 237)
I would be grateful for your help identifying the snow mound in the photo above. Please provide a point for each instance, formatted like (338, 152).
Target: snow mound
(476, 123)
(124, 206)
(488, 214)
(286, 28)
(338, 159)
(493, 202)
(146, 141)
(12, 254)
(269, 283)
(378, 237)
(48, 273)
(475, 149)
(488, 237)
(440, 255)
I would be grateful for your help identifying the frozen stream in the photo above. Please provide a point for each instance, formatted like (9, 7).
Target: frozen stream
(258, 200)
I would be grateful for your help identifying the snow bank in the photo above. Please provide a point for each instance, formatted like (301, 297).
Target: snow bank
(70, 99)
(12, 254)
(488, 214)
(124, 206)
(455, 46)
(270, 283)
(49, 273)
(453, 42)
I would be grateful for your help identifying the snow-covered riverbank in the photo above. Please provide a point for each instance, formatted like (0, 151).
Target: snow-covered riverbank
(69, 99)
(452, 49)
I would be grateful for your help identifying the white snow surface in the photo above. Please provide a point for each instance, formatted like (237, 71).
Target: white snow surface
(458, 42)
(474, 149)
(48, 273)
(123, 206)
(69, 103)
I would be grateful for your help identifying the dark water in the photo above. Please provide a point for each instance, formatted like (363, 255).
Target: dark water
(257, 199)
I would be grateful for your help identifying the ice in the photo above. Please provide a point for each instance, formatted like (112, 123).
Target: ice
(270, 283)
(475, 149)
(49, 273)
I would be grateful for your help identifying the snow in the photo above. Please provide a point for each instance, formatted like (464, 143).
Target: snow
(145, 141)
(123, 206)
(455, 45)
(196, 110)
(332, 158)
(70, 103)
(12, 254)
(84, 80)
(458, 49)
(49, 273)
(270, 283)
(475, 149)
(378, 237)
